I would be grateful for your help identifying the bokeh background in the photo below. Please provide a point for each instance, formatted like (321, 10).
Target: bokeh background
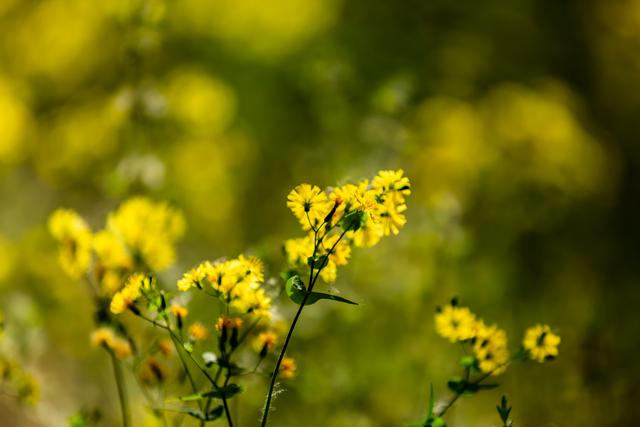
(517, 121)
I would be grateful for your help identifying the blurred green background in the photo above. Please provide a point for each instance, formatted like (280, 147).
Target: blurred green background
(517, 122)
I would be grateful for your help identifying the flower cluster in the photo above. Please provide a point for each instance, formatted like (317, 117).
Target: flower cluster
(364, 212)
(133, 289)
(488, 342)
(139, 235)
(237, 282)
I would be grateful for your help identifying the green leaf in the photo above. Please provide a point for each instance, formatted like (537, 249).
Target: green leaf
(431, 401)
(227, 392)
(352, 221)
(296, 291)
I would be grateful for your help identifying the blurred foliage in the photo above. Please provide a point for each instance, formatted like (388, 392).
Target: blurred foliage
(516, 121)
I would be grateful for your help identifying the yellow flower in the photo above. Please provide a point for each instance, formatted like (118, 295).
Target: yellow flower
(298, 250)
(288, 368)
(165, 346)
(391, 217)
(111, 251)
(340, 253)
(265, 341)
(393, 184)
(194, 277)
(541, 343)
(252, 267)
(74, 235)
(252, 301)
(490, 348)
(179, 311)
(198, 332)
(149, 229)
(368, 235)
(343, 198)
(455, 323)
(121, 348)
(103, 337)
(309, 204)
(228, 322)
(128, 295)
(153, 372)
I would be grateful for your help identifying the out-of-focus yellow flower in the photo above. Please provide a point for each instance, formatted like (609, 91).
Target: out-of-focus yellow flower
(288, 368)
(540, 343)
(490, 348)
(75, 239)
(149, 229)
(258, 29)
(153, 372)
(309, 204)
(179, 311)
(204, 105)
(15, 123)
(110, 251)
(226, 322)
(106, 337)
(198, 331)
(455, 323)
(103, 337)
(126, 298)
(393, 184)
(265, 342)
(165, 346)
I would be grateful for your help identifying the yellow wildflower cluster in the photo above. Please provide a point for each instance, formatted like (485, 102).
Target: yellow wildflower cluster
(132, 290)
(540, 343)
(459, 324)
(75, 238)
(237, 281)
(149, 229)
(139, 234)
(366, 212)
(489, 343)
(198, 332)
(106, 337)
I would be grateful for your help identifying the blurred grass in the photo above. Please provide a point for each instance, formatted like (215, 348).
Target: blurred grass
(516, 121)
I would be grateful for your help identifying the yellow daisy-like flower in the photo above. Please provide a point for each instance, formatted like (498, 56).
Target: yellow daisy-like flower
(393, 183)
(340, 253)
(194, 277)
(288, 368)
(391, 217)
(298, 250)
(490, 348)
(131, 291)
(309, 204)
(198, 331)
(540, 343)
(455, 323)
(368, 235)
(75, 238)
(121, 348)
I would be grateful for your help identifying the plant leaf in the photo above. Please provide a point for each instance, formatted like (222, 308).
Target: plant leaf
(226, 391)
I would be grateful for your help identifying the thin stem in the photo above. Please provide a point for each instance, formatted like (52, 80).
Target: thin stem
(224, 400)
(312, 282)
(122, 393)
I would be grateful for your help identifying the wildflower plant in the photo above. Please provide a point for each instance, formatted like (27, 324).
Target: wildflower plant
(192, 367)
(121, 262)
(486, 355)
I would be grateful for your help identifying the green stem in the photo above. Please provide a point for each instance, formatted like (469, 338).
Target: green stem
(122, 393)
(312, 282)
